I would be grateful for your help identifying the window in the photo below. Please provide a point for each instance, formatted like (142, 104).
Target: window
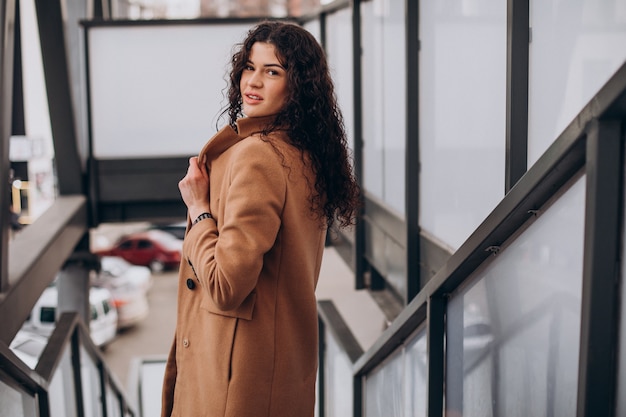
(47, 314)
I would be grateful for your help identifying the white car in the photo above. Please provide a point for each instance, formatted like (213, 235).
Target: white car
(129, 285)
(102, 323)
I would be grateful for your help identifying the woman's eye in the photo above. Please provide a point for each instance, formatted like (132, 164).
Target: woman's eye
(248, 68)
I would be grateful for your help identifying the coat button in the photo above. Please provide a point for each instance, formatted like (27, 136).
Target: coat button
(190, 284)
(185, 343)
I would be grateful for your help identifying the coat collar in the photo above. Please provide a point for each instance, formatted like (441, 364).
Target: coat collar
(227, 137)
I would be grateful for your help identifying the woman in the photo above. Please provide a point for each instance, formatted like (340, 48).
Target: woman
(260, 196)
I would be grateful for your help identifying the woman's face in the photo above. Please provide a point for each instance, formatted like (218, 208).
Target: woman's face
(263, 82)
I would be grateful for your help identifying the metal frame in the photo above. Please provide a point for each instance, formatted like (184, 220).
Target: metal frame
(7, 20)
(56, 71)
(414, 278)
(594, 144)
(604, 213)
(329, 318)
(518, 38)
(70, 333)
(36, 254)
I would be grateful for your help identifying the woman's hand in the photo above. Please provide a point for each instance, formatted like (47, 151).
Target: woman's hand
(194, 188)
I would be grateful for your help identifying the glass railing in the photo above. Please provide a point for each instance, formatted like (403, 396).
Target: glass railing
(70, 378)
(339, 350)
(521, 320)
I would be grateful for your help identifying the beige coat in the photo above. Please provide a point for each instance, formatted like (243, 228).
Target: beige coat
(246, 332)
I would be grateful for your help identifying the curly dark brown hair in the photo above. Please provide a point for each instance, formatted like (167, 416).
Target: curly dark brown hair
(313, 119)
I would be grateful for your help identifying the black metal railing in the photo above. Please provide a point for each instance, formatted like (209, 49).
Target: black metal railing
(590, 150)
(72, 356)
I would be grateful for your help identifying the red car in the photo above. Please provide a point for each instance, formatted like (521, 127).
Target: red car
(155, 249)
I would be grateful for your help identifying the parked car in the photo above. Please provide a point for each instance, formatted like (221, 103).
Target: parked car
(155, 249)
(102, 323)
(129, 285)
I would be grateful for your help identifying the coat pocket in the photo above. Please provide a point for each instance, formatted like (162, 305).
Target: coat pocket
(244, 311)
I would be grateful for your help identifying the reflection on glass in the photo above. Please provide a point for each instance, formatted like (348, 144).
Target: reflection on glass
(512, 337)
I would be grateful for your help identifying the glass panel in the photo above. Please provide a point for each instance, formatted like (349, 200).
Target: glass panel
(398, 387)
(372, 85)
(513, 335)
(91, 385)
(113, 403)
(338, 390)
(416, 366)
(384, 98)
(313, 26)
(151, 378)
(62, 393)
(462, 116)
(339, 51)
(384, 388)
(10, 401)
(576, 47)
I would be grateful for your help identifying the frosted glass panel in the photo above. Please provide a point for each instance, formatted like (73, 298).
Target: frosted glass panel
(398, 387)
(462, 116)
(151, 377)
(576, 46)
(113, 403)
(339, 52)
(62, 392)
(10, 401)
(156, 91)
(373, 105)
(91, 385)
(513, 335)
(384, 100)
(313, 26)
(338, 380)
(416, 368)
(384, 389)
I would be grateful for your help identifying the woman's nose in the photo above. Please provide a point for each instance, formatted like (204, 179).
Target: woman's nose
(254, 80)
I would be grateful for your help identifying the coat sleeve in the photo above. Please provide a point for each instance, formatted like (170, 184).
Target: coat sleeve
(228, 263)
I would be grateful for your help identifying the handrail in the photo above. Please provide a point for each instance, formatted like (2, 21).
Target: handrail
(330, 317)
(70, 330)
(35, 256)
(558, 164)
(564, 160)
